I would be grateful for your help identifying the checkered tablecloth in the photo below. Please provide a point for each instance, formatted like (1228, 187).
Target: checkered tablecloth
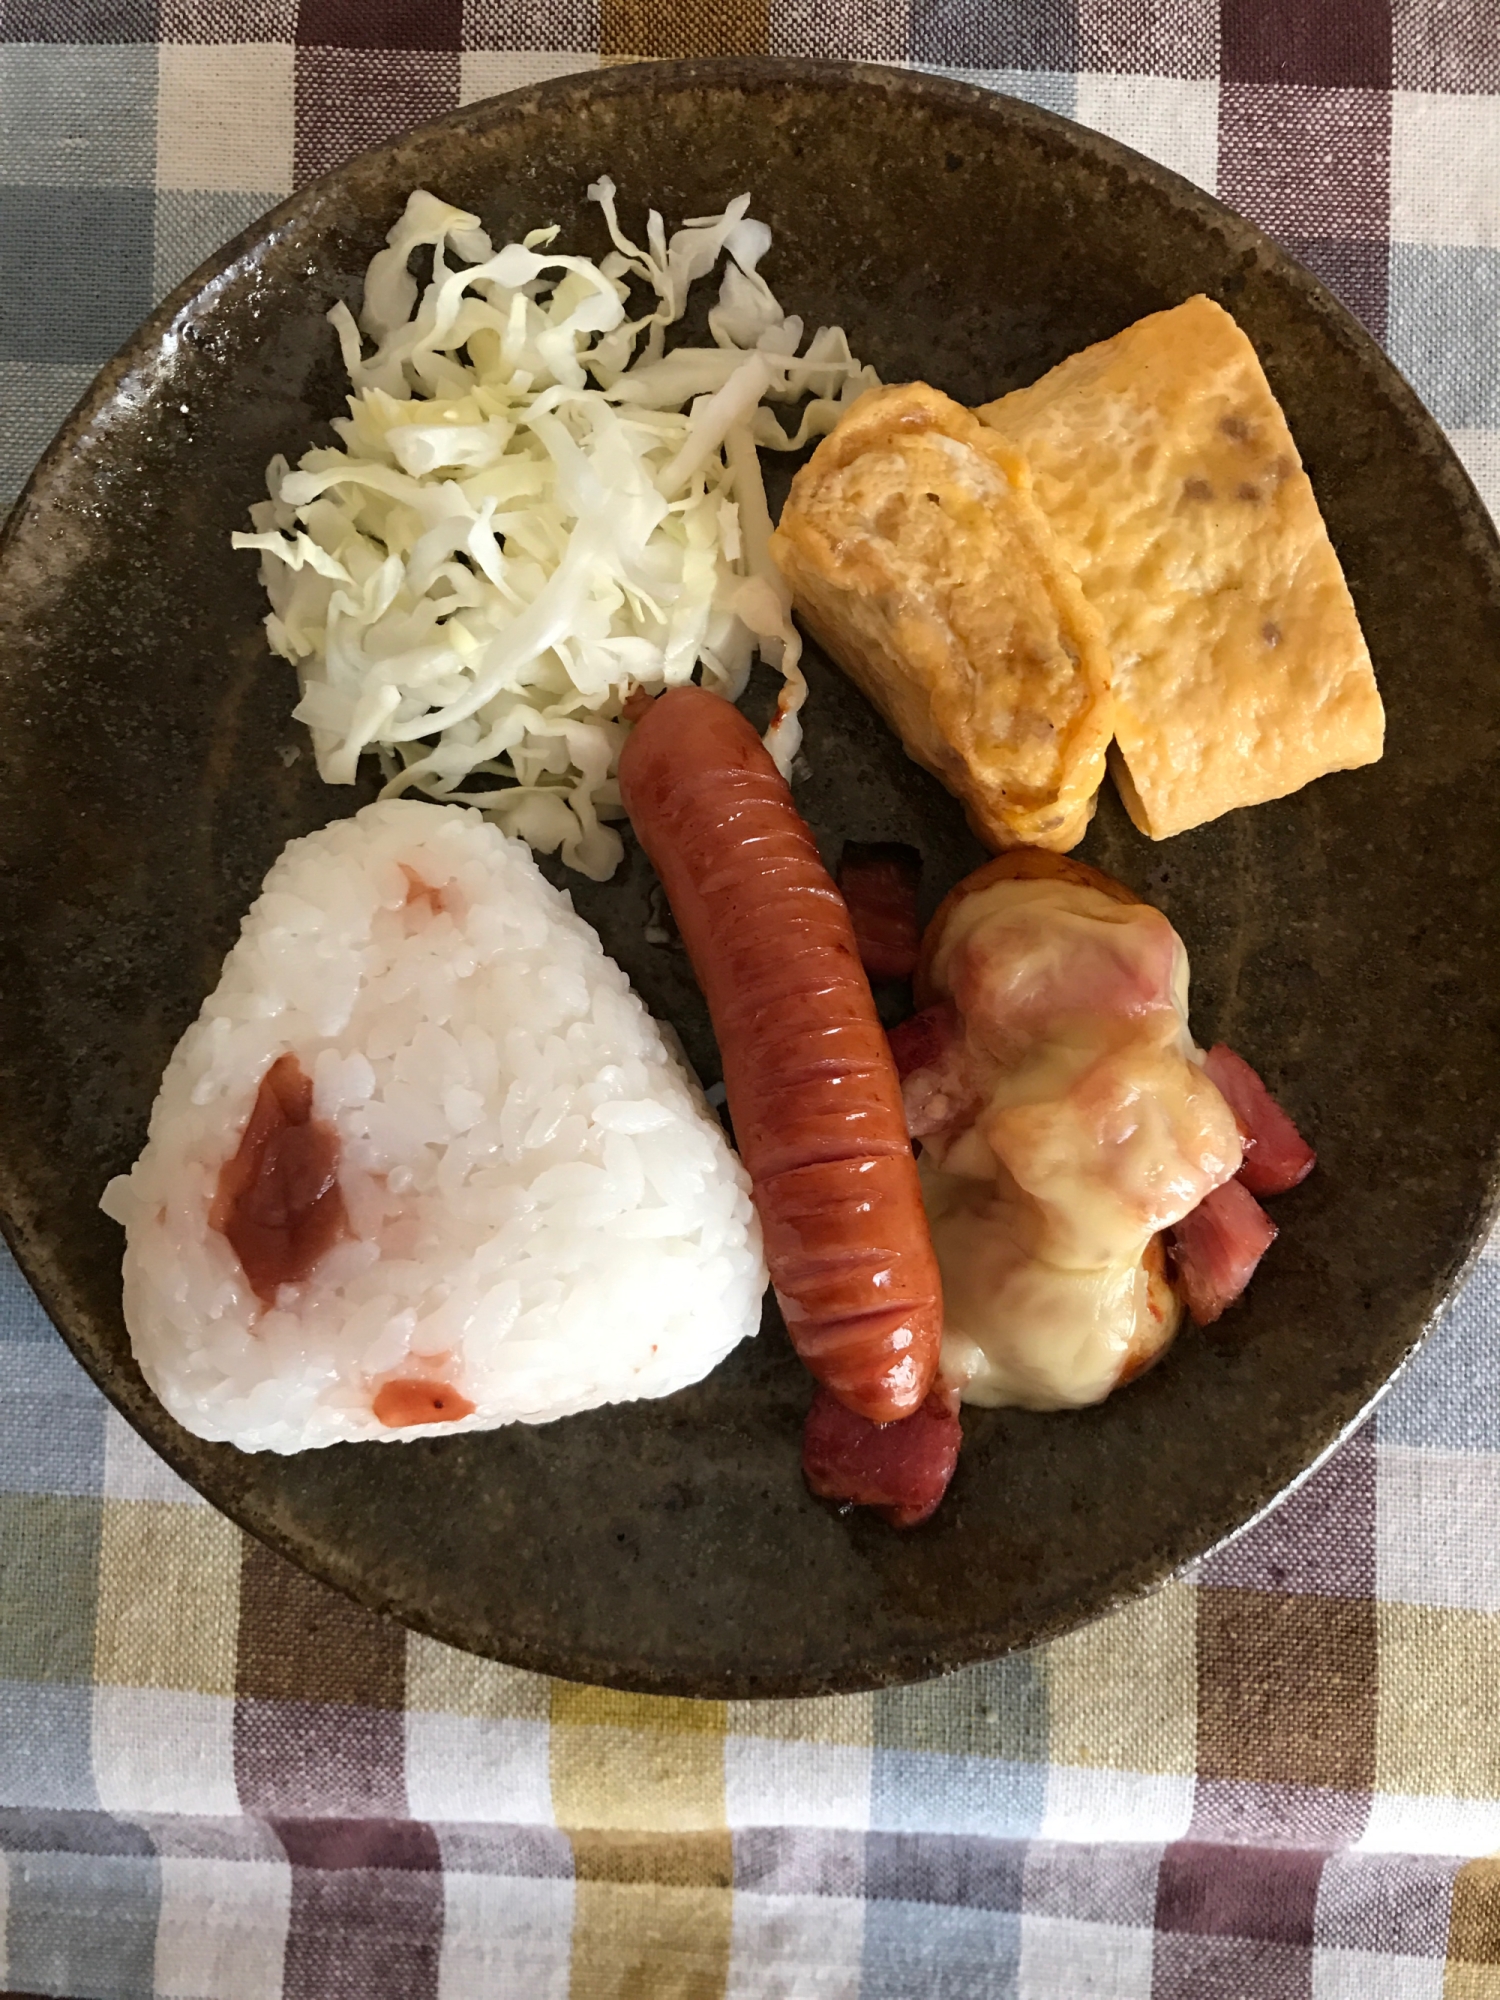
(1279, 1777)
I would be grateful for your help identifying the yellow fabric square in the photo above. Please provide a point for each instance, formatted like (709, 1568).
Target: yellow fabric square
(1474, 1926)
(620, 1760)
(574, 1701)
(647, 1942)
(169, 1584)
(1471, 1982)
(1122, 1694)
(443, 1681)
(1435, 1729)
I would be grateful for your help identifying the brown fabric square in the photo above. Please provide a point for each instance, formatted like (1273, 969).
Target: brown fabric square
(1214, 1968)
(228, 21)
(348, 99)
(1212, 1889)
(1359, 274)
(301, 1641)
(1306, 162)
(1327, 42)
(1149, 37)
(853, 30)
(1286, 1689)
(1474, 1931)
(668, 28)
(293, 1759)
(360, 1843)
(1321, 1538)
(1445, 45)
(531, 24)
(91, 21)
(380, 24)
(367, 1909)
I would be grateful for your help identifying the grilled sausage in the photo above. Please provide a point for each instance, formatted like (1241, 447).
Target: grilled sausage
(808, 1075)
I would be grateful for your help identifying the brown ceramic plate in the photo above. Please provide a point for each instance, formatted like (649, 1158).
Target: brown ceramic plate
(1347, 939)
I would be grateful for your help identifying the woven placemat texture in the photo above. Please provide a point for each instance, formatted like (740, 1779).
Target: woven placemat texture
(1279, 1777)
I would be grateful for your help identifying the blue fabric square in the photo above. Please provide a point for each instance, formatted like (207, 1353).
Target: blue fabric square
(939, 1953)
(65, 1452)
(21, 1317)
(72, 116)
(54, 1831)
(1053, 89)
(60, 299)
(1443, 329)
(1041, 35)
(84, 1924)
(913, 1791)
(1449, 1397)
(45, 1748)
(35, 397)
(192, 223)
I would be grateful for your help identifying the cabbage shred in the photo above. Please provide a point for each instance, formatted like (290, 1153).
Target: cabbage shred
(537, 509)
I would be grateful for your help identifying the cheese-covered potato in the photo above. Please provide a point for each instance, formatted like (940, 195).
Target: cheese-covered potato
(919, 560)
(1065, 1121)
(1168, 474)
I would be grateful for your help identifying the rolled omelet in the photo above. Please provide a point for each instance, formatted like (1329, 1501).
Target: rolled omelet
(1167, 472)
(918, 558)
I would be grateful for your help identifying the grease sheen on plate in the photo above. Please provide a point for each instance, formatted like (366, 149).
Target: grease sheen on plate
(1349, 935)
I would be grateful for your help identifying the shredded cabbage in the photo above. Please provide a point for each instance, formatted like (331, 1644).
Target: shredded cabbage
(536, 510)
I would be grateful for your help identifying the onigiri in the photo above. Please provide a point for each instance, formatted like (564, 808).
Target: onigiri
(425, 1163)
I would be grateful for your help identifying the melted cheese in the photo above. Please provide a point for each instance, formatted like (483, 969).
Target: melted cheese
(1020, 1330)
(1095, 1128)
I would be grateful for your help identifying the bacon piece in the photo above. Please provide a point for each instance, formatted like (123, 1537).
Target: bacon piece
(878, 880)
(932, 1061)
(1215, 1249)
(1277, 1156)
(902, 1469)
(921, 1041)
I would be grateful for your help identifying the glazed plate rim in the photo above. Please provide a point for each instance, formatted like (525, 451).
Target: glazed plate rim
(155, 338)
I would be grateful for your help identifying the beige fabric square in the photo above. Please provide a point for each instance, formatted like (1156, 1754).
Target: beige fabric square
(1105, 1711)
(443, 1681)
(1480, 452)
(835, 1718)
(1435, 1727)
(169, 1585)
(241, 1946)
(226, 116)
(1172, 119)
(163, 1750)
(1445, 169)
